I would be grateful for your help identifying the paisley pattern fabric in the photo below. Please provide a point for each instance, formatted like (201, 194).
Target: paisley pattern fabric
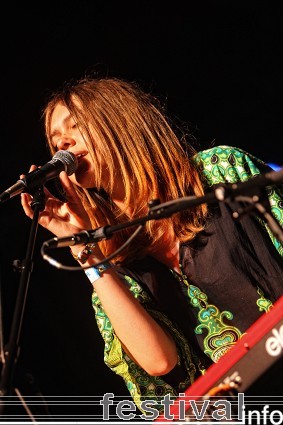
(221, 164)
(220, 337)
(225, 164)
(141, 385)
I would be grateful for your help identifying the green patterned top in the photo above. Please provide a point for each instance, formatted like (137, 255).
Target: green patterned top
(221, 164)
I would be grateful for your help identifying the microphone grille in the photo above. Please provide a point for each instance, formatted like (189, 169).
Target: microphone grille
(69, 160)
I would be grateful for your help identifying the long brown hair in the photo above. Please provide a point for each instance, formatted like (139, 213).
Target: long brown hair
(135, 133)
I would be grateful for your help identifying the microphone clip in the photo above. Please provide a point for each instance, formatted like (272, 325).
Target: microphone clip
(38, 198)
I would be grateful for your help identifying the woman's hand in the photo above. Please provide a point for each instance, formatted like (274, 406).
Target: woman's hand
(159, 354)
(60, 218)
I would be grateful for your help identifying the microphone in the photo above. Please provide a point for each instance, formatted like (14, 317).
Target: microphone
(61, 161)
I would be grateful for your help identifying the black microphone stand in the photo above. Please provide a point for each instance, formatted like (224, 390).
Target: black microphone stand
(12, 350)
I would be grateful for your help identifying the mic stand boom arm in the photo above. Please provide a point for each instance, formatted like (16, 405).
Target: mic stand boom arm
(157, 211)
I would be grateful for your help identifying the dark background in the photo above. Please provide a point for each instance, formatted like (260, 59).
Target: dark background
(217, 65)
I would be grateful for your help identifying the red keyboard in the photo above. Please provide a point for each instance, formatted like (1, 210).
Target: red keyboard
(242, 365)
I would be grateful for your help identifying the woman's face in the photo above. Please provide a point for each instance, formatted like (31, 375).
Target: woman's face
(66, 135)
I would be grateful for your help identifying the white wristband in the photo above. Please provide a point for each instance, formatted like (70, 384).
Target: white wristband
(94, 273)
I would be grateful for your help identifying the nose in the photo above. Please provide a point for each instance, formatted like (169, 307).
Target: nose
(65, 143)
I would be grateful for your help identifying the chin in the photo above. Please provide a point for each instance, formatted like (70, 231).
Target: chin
(81, 181)
(85, 184)
(82, 177)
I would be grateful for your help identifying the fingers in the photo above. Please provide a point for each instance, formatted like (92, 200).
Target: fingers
(59, 217)
(32, 168)
(66, 183)
(74, 204)
(26, 200)
(69, 188)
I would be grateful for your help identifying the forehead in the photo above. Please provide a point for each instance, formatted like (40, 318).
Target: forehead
(60, 114)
